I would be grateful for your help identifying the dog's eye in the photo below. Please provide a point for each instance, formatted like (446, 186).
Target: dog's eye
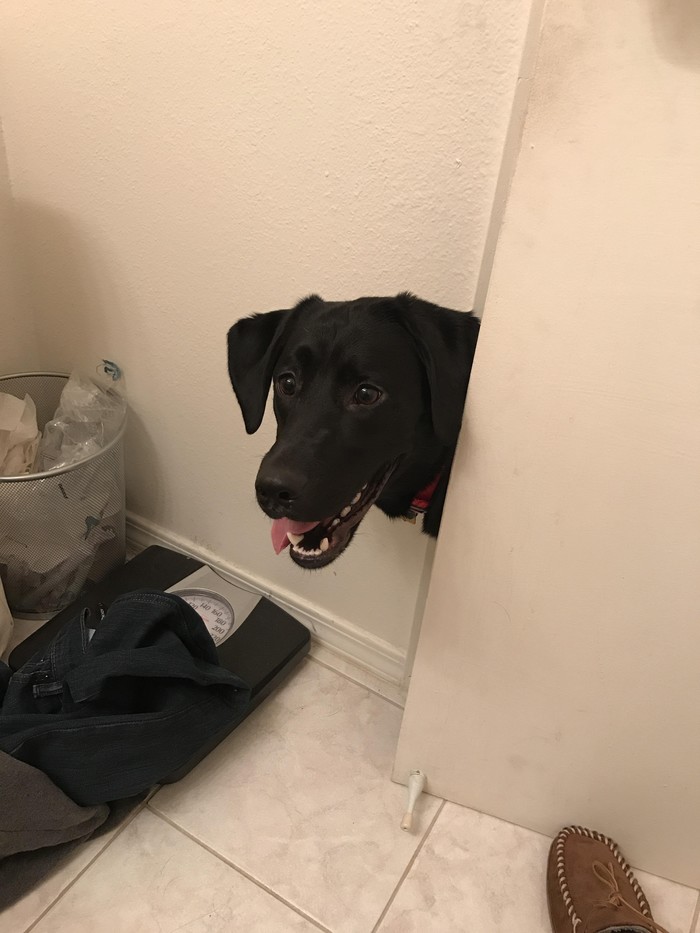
(287, 384)
(367, 395)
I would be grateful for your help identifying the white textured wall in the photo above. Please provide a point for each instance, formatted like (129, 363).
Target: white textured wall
(560, 650)
(178, 165)
(17, 343)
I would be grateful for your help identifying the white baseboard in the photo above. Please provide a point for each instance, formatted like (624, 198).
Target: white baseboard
(351, 643)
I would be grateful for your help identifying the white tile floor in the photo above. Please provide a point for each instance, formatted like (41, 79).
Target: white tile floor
(292, 824)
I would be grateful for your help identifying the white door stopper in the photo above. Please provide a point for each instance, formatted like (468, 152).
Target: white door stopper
(416, 783)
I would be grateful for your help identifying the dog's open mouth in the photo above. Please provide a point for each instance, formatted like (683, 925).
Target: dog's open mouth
(316, 544)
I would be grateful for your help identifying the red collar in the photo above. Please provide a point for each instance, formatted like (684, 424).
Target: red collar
(422, 500)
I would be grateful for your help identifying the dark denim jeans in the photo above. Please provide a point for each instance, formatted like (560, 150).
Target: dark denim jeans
(116, 705)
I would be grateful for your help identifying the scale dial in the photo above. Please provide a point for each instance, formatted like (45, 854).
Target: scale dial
(215, 611)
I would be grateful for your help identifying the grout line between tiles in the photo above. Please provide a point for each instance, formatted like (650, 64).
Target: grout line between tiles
(355, 680)
(695, 922)
(238, 869)
(410, 865)
(119, 830)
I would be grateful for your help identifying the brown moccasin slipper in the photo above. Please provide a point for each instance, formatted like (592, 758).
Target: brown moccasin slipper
(591, 888)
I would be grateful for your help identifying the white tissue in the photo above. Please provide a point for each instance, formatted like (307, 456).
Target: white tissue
(19, 435)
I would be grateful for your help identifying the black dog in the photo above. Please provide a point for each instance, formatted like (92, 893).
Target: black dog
(368, 396)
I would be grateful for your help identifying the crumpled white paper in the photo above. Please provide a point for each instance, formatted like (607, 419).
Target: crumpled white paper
(19, 435)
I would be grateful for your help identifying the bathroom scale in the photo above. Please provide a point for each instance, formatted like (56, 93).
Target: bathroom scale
(254, 638)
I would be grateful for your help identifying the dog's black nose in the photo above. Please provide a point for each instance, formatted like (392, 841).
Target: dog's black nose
(277, 493)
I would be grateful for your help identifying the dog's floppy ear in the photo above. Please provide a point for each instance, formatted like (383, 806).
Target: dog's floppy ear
(445, 341)
(254, 344)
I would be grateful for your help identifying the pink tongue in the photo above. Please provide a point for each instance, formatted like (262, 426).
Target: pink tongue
(281, 527)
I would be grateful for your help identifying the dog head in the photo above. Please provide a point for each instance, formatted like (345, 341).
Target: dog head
(357, 386)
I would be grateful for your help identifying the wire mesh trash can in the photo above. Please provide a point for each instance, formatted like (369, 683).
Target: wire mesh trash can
(63, 530)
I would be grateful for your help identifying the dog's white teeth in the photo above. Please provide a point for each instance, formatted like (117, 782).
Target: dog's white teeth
(356, 499)
(295, 539)
(336, 521)
(314, 552)
(364, 487)
(325, 544)
(345, 511)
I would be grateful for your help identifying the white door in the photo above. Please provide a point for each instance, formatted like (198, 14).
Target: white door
(557, 677)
